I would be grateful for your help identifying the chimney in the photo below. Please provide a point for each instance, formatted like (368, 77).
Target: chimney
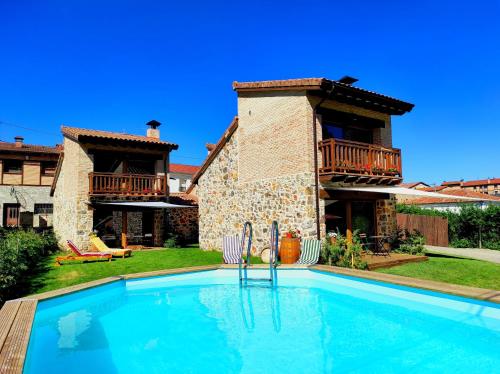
(153, 131)
(19, 141)
(210, 147)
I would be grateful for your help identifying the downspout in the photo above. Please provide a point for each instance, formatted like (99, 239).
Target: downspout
(316, 166)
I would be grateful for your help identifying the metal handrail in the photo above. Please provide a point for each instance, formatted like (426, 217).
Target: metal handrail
(273, 250)
(249, 247)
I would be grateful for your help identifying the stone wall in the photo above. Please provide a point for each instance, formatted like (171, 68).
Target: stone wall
(73, 217)
(134, 222)
(159, 227)
(225, 203)
(184, 222)
(25, 196)
(385, 211)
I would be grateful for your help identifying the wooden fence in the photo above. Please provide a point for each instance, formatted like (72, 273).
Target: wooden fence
(433, 228)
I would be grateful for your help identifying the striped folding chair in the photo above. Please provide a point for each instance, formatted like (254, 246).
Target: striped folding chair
(231, 249)
(309, 253)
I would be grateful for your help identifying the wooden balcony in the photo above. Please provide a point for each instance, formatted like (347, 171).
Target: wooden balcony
(127, 185)
(349, 161)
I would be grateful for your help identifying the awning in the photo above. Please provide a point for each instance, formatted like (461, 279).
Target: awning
(403, 191)
(148, 204)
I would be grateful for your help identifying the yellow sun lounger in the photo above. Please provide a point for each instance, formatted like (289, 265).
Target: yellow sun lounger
(102, 247)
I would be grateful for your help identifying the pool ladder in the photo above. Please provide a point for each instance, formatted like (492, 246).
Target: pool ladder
(273, 254)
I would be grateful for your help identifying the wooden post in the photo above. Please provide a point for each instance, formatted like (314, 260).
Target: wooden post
(124, 228)
(348, 219)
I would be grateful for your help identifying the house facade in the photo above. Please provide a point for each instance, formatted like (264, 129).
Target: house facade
(181, 176)
(289, 155)
(97, 172)
(490, 186)
(26, 174)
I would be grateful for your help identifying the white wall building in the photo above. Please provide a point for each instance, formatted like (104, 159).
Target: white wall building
(181, 176)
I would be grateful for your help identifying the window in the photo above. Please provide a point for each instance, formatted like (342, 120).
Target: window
(44, 208)
(11, 215)
(182, 185)
(13, 166)
(48, 167)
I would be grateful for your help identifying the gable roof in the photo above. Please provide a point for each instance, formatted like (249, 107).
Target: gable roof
(213, 154)
(184, 169)
(337, 90)
(29, 148)
(481, 182)
(447, 199)
(79, 135)
(412, 184)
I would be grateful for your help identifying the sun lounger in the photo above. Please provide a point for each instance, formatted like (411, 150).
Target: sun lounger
(102, 247)
(231, 249)
(82, 256)
(309, 253)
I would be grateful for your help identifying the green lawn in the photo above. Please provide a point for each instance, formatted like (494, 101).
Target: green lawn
(452, 270)
(51, 277)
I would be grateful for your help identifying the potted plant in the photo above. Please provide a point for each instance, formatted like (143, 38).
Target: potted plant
(290, 247)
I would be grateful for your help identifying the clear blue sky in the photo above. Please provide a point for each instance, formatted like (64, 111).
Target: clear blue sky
(115, 65)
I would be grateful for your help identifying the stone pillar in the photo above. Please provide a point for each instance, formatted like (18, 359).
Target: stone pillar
(386, 216)
(159, 227)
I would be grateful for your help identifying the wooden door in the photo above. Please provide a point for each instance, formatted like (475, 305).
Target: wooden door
(11, 215)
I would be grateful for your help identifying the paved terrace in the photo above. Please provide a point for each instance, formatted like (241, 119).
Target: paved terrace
(483, 254)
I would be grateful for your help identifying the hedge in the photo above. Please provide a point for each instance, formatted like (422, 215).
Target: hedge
(21, 255)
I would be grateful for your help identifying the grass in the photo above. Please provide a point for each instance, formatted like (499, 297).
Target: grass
(51, 277)
(455, 270)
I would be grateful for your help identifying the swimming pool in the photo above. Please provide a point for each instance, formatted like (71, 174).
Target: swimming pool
(311, 322)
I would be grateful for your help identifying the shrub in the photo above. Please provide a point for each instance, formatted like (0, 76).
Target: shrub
(172, 241)
(21, 252)
(412, 244)
(461, 243)
(341, 253)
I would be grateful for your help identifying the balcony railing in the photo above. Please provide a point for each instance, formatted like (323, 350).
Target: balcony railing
(125, 185)
(359, 159)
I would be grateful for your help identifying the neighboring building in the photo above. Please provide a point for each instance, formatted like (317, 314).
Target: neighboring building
(180, 176)
(489, 186)
(415, 185)
(454, 205)
(26, 174)
(98, 169)
(267, 167)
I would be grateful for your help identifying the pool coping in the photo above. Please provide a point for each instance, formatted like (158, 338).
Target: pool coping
(16, 316)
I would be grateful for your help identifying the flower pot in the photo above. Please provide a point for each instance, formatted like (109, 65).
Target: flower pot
(289, 250)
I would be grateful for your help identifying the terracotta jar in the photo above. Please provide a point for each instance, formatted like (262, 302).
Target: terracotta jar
(289, 250)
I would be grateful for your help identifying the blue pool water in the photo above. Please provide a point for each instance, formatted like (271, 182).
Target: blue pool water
(310, 323)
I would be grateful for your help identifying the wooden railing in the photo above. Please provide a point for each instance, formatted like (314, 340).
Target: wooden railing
(111, 184)
(356, 158)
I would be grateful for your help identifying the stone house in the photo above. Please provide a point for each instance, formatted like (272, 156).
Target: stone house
(116, 185)
(292, 154)
(26, 174)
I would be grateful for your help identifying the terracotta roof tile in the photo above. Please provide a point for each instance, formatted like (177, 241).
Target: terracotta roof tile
(29, 148)
(182, 198)
(184, 169)
(433, 189)
(446, 199)
(481, 182)
(411, 184)
(77, 134)
(392, 104)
